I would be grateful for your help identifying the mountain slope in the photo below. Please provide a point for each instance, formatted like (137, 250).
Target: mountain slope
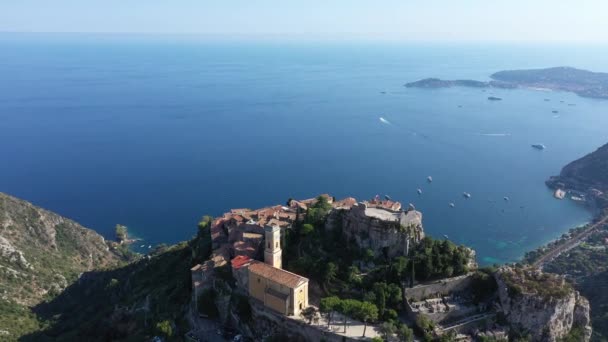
(41, 253)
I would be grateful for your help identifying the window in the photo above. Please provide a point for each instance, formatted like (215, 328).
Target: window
(259, 280)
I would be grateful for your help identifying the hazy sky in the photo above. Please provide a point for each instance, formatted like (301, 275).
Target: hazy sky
(517, 20)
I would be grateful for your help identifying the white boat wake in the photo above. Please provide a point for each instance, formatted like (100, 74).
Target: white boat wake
(384, 121)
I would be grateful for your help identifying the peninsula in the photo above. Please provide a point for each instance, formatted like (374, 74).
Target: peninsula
(582, 82)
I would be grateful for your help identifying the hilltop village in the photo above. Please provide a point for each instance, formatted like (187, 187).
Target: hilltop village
(341, 270)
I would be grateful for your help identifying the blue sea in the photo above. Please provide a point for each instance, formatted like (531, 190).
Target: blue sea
(155, 131)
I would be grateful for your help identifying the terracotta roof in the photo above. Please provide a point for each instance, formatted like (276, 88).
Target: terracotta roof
(277, 275)
(239, 261)
(345, 203)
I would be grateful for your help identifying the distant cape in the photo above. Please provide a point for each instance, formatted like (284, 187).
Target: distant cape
(582, 82)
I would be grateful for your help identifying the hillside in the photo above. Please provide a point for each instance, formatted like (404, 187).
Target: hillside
(588, 174)
(590, 171)
(582, 82)
(131, 303)
(41, 253)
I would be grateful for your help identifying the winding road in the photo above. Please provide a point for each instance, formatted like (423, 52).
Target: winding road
(577, 240)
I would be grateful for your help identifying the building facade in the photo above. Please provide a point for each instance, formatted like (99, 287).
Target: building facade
(279, 290)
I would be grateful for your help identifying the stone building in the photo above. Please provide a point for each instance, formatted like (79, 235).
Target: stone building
(279, 290)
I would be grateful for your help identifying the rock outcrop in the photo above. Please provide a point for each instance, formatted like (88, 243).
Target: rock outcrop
(380, 229)
(540, 304)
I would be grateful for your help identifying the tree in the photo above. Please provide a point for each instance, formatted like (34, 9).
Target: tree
(328, 305)
(347, 307)
(353, 275)
(387, 329)
(204, 237)
(399, 268)
(368, 255)
(121, 233)
(404, 333)
(164, 328)
(366, 312)
(425, 324)
(329, 273)
(306, 229)
(309, 313)
(380, 292)
(318, 211)
(394, 295)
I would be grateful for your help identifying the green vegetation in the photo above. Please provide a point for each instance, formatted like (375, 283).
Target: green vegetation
(353, 272)
(363, 311)
(121, 233)
(528, 281)
(436, 259)
(425, 327)
(50, 254)
(133, 302)
(534, 255)
(164, 329)
(576, 334)
(588, 259)
(587, 264)
(204, 246)
(404, 333)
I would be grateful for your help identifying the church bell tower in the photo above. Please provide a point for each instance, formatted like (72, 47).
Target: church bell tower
(272, 243)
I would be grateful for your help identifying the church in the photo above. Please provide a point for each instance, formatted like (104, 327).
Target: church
(278, 289)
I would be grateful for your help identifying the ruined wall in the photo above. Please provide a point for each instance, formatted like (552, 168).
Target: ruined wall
(377, 234)
(439, 288)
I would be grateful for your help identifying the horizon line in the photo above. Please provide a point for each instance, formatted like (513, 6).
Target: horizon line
(346, 36)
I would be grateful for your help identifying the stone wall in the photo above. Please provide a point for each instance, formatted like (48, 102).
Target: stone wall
(391, 232)
(439, 288)
(266, 321)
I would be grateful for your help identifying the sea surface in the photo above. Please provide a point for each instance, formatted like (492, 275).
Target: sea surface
(155, 131)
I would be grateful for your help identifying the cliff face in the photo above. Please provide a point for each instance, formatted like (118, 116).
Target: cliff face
(379, 229)
(541, 304)
(42, 253)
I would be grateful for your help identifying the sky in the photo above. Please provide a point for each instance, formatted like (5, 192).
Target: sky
(420, 20)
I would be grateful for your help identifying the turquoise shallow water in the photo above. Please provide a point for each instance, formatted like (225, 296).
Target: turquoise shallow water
(154, 132)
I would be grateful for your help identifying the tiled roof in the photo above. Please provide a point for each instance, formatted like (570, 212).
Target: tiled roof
(239, 261)
(277, 275)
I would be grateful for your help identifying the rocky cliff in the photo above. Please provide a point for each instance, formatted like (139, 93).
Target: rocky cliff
(42, 252)
(379, 229)
(540, 304)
